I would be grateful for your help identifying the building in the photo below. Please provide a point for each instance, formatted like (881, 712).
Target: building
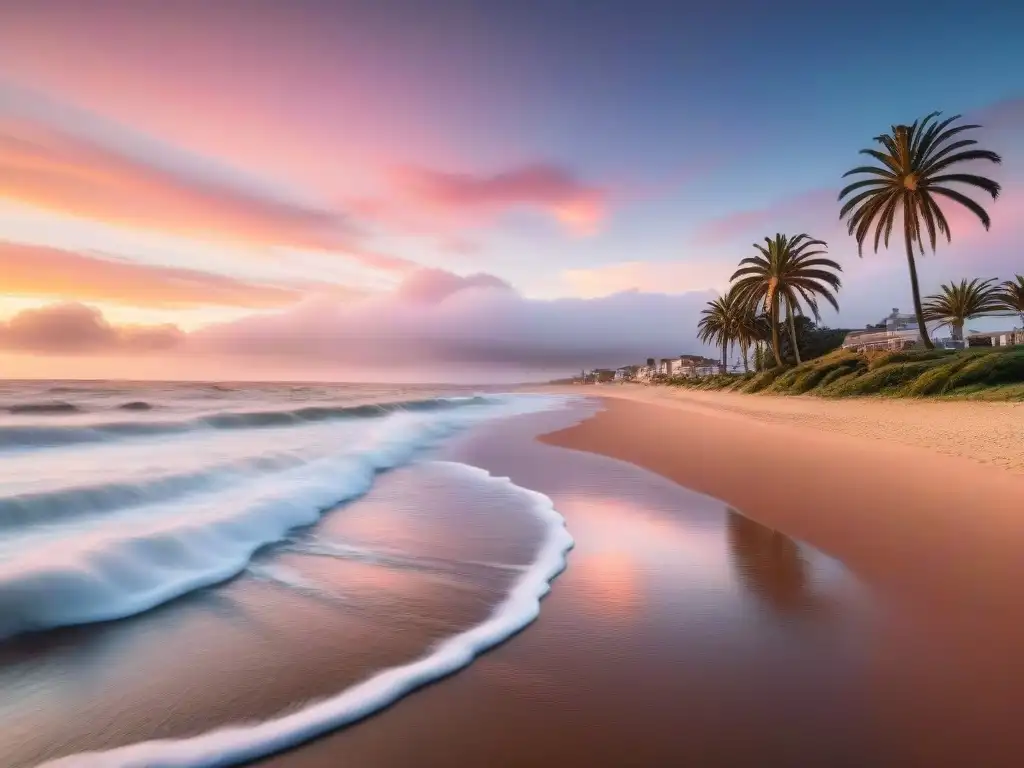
(995, 338)
(626, 372)
(895, 332)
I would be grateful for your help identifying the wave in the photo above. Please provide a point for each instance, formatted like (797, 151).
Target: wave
(18, 437)
(26, 510)
(136, 405)
(243, 743)
(126, 569)
(40, 408)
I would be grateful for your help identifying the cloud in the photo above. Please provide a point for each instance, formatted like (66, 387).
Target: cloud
(452, 327)
(69, 161)
(432, 286)
(648, 277)
(77, 329)
(49, 168)
(577, 206)
(30, 270)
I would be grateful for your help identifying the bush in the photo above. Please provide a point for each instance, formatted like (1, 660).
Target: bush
(885, 379)
(989, 369)
(763, 379)
(879, 360)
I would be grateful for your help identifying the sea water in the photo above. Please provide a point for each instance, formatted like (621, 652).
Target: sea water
(116, 500)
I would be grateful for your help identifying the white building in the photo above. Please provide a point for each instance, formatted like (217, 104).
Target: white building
(895, 332)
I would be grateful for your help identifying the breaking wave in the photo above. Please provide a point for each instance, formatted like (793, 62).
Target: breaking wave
(153, 554)
(44, 436)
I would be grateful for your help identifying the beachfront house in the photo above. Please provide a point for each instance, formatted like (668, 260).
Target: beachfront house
(895, 332)
(626, 372)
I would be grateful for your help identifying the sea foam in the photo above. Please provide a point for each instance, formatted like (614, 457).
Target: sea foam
(241, 743)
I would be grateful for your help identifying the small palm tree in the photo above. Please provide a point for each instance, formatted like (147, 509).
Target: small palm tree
(1011, 296)
(959, 302)
(791, 271)
(913, 175)
(718, 323)
(748, 328)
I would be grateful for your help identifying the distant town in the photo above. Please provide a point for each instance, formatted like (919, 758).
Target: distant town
(898, 331)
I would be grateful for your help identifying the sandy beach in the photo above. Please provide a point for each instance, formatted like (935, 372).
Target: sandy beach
(988, 433)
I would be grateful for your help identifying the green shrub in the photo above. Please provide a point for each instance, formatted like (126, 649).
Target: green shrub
(988, 369)
(879, 380)
(936, 380)
(763, 379)
(908, 356)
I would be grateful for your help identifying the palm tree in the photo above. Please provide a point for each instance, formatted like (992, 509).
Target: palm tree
(791, 270)
(914, 172)
(748, 328)
(718, 323)
(1011, 296)
(959, 302)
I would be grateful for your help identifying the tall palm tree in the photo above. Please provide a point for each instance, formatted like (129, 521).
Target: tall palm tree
(913, 174)
(1011, 296)
(959, 302)
(791, 271)
(718, 323)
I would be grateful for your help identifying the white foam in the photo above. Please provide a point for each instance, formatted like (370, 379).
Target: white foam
(242, 743)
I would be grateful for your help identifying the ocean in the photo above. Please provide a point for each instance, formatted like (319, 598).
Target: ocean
(117, 499)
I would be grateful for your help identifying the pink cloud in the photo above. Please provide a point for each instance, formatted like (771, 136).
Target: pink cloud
(577, 206)
(30, 270)
(77, 329)
(432, 286)
(53, 169)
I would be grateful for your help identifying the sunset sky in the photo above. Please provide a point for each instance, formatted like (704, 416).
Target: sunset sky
(437, 191)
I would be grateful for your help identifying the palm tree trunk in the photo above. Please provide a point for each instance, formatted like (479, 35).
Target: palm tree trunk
(775, 329)
(725, 347)
(792, 333)
(957, 331)
(745, 350)
(914, 289)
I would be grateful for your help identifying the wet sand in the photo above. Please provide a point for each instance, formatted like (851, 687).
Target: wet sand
(936, 539)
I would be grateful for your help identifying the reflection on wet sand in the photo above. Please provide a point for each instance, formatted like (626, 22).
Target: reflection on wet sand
(769, 564)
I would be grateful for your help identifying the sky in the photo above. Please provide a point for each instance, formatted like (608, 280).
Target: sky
(455, 191)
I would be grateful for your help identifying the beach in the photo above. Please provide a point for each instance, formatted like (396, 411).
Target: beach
(740, 591)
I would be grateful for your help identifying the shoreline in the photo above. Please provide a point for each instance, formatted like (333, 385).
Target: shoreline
(932, 527)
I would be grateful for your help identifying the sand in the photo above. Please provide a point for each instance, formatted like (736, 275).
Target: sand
(940, 537)
(988, 433)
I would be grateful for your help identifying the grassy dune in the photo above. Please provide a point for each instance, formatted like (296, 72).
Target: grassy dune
(995, 373)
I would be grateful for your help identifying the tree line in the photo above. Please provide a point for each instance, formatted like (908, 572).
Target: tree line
(917, 171)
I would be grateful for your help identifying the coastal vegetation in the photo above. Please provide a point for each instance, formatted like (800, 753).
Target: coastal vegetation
(982, 373)
(919, 172)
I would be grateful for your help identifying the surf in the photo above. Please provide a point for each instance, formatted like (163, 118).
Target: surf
(242, 743)
(33, 436)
